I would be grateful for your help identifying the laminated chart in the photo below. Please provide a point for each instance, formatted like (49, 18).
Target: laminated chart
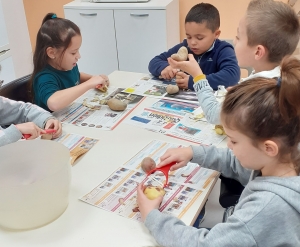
(117, 193)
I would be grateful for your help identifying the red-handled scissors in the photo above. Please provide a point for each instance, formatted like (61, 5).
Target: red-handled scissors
(165, 170)
(48, 131)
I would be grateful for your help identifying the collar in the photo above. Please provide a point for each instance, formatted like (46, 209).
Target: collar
(266, 74)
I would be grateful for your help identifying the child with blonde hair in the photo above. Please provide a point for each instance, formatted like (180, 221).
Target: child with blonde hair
(261, 117)
(267, 33)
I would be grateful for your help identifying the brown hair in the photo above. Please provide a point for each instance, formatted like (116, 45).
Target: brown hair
(274, 25)
(55, 32)
(264, 108)
(204, 13)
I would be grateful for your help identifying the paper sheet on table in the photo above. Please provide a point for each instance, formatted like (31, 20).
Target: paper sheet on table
(100, 116)
(117, 193)
(177, 119)
(77, 144)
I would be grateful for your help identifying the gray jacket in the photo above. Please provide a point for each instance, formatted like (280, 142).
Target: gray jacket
(268, 212)
(16, 112)
(208, 102)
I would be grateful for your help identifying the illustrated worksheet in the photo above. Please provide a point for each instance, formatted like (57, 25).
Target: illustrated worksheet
(90, 109)
(117, 193)
(178, 119)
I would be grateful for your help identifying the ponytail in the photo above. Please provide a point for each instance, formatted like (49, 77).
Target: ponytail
(289, 89)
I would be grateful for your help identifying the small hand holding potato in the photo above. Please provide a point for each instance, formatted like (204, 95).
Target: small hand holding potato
(152, 192)
(181, 55)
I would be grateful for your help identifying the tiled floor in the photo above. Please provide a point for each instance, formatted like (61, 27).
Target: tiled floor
(214, 211)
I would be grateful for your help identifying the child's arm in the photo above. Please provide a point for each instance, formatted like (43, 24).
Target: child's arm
(219, 159)
(160, 62)
(14, 114)
(62, 98)
(207, 100)
(85, 77)
(169, 231)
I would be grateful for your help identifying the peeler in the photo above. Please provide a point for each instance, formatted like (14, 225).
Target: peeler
(165, 170)
(48, 131)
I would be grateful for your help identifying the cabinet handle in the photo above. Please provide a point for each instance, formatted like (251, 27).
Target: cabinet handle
(91, 14)
(139, 14)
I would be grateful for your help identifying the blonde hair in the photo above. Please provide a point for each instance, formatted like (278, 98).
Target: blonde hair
(274, 25)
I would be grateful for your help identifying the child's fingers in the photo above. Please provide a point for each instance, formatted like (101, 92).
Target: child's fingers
(191, 57)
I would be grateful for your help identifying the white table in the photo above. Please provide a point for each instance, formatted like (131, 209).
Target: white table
(84, 225)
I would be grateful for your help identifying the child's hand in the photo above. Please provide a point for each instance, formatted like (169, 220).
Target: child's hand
(191, 66)
(31, 129)
(168, 73)
(55, 124)
(106, 80)
(182, 80)
(96, 81)
(179, 155)
(146, 205)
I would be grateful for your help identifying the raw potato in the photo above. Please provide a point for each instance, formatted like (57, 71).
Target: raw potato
(116, 105)
(172, 89)
(148, 164)
(181, 55)
(219, 130)
(103, 89)
(153, 192)
(46, 136)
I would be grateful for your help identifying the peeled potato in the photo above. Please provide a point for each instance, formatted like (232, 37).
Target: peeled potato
(172, 89)
(148, 164)
(116, 105)
(219, 130)
(153, 192)
(181, 55)
(103, 89)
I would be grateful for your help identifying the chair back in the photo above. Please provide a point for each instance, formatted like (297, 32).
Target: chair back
(17, 90)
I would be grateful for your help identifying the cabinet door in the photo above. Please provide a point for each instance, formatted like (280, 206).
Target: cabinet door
(7, 72)
(141, 35)
(98, 49)
(3, 31)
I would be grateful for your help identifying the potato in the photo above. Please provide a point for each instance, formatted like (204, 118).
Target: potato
(46, 136)
(148, 164)
(116, 105)
(172, 89)
(181, 55)
(219, 130)
(103, 89)
(153, 192)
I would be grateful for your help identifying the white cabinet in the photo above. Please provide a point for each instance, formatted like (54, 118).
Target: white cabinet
(124, 36)
(7, 72)
(98, 49)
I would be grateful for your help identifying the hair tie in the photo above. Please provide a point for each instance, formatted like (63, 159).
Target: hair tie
(278, 82)
(53, 16)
